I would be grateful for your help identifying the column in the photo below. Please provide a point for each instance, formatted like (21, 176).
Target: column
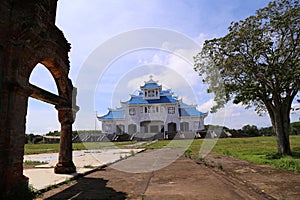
(13, 107)
(65, 163)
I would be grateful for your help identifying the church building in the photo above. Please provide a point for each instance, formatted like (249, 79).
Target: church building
(153, 111)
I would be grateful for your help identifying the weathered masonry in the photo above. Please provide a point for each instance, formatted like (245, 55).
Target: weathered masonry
(29, 36)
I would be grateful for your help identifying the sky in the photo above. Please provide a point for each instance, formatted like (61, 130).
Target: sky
(118, 44)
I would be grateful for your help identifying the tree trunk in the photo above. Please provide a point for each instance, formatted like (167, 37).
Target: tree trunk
(280, 118)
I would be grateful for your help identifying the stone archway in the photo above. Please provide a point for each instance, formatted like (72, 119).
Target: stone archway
(29, 36)
(65, 105)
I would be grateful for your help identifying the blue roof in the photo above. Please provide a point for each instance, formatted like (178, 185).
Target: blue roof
(182, 104)
(190, 111)
(164, 92)
(150, 85)
(116, 114)
(162, 99)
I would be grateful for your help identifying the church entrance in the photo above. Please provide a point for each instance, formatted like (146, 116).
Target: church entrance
(151, 126)
(172, 127)
(172, 130)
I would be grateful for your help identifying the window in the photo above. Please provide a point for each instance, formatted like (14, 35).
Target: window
(196, 125)
(131, 128)
(171, 110)
(107, 127)
(131, 111)
(184, 126)
(151, 109)
(151, 93)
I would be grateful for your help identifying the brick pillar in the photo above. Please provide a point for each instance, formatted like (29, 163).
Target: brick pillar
(12, 139)
(65, 163)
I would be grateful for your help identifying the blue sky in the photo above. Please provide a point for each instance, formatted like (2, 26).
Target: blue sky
(94, 29)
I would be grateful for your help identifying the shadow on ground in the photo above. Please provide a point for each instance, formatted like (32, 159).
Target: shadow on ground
(93, 188)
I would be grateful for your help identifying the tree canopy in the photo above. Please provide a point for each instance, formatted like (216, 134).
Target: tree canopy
(257, 64)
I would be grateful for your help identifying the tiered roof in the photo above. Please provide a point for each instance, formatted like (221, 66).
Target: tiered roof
(165, 97)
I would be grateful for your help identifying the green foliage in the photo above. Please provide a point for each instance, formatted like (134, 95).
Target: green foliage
(260, 150)
(132, 153)
(32, 138)
(257, 64)
(267, 131)
(251, 130)
(209, 126)
(258, 60)
(74, 133)
(33, 162)
(54, 133)
(220, 166)
(188, 153)
(40, 148)
(88, 166)
(53, 148)
(295, 128)
(200, 158)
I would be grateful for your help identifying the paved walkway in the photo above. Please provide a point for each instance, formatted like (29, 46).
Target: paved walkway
(43, 176)
(155, 174)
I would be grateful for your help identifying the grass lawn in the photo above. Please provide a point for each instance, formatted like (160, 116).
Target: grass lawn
(260, 150)
(53, 148)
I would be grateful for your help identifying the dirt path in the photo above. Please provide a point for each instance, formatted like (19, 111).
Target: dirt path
(216, 177)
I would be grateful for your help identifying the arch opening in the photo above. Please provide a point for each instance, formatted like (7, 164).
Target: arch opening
(42, 78)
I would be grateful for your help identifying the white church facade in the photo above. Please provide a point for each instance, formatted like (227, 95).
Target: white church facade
(153, 110)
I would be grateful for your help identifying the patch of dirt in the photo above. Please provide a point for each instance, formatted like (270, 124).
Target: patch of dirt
(32, 165)
(279, 184)
(215, 177)
(29, 166)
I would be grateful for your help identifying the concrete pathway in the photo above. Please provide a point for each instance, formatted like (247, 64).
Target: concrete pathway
(43, 176)
(156, 174)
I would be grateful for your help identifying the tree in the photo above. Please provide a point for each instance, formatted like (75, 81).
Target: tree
(257, 64)
(250, 130)
(295, 128)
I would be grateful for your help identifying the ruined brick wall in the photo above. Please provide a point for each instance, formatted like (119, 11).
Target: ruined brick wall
(28, 36)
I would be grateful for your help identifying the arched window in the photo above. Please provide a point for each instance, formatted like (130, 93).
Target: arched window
(184, 126)
(131, 128)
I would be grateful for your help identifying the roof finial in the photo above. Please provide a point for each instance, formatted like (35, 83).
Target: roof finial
(151, 77)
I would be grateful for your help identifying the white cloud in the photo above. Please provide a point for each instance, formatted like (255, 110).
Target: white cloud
(205, 107)
(233, 116)
(88, 25)
(201, 38)
(182, 67)
(134, 84)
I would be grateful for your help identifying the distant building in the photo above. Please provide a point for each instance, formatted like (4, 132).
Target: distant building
(51, 139)
(153, 110)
